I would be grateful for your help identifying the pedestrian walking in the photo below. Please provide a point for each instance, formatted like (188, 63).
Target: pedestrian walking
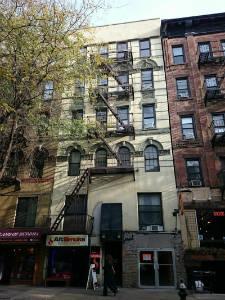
(109, 276)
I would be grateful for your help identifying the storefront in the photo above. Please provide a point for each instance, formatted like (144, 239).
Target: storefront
(68, 260)
(21, 256)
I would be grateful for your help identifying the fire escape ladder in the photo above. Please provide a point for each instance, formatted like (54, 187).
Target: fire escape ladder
(75, 192)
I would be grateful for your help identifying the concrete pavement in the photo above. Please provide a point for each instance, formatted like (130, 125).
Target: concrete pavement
(18, 292)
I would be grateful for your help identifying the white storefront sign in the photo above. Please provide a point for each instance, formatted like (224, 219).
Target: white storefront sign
(66, 240)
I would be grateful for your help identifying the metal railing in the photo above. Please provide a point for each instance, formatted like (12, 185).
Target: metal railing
(215, 57)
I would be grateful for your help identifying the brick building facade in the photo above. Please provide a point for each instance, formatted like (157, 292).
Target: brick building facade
(194, 54)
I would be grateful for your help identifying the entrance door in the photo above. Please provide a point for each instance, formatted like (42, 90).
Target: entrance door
(156, 268)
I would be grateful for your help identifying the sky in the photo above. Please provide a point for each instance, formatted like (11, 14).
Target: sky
(132, 10)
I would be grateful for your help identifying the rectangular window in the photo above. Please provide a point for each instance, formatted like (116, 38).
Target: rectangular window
(194, 174)
(77, 114)
(182, 88)
(123, 113)
(223, 47)
(187, 124)
(211, 81)
(204, 47)
(26, 212)
(144, 48)
(178, 55)
(101, 116)
(122, 49)
(48, 90)
(149, 210)
(219, 123)
(146, 79)
(148, 116)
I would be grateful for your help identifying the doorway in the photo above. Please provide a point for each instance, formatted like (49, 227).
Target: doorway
(156, 268)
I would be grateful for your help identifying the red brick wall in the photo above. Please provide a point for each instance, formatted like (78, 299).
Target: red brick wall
(201, 147)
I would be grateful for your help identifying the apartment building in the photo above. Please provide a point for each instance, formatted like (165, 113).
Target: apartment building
(114, 191)
(194, 54)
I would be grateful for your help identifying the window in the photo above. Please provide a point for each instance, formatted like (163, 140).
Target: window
(151, 159)
(146, 79)
(149, 210)
(148, 116)
(123, 113)
(26, 212)
(211, 81)
(194, 175)
(74, 163)
(219, 123)
(48, 90)
(124, 156)
(101, 158)
(178, 55)
(205, 48)
(101, 116)
(122, 49)
(103, 51)
(144, 48)
(182, 88)
(223, 47)
(187, 124)
(77, 114)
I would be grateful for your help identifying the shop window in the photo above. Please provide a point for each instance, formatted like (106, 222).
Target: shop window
(182, 88)
(101, 158)
(40, 155)
(124, 156)
(194, 174)
(149, 210)
(151, 157)
(146, 79)
(178, 55)
(48, 90)
(148, 116)
(187, 124)
(26, 212)
(144, 48)
(74, 163)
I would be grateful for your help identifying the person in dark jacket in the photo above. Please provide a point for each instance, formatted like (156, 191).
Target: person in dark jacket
(109, 276)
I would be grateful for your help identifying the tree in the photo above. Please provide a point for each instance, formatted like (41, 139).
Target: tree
(40, 59)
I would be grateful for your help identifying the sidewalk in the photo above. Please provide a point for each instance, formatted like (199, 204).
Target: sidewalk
(18, 292)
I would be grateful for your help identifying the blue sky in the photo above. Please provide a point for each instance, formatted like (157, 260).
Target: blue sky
(131, 10)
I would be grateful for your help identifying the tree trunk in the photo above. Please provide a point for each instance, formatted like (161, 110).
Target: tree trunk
(9, 149)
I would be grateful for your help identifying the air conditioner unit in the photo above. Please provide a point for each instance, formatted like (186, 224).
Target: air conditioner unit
(154, 228)
(195, 183)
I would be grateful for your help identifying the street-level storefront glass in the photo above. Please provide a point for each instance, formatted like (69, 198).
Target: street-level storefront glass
(156, 268)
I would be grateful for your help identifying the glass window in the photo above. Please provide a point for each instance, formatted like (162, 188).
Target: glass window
(194, 175)
(124, 156)
(146, 79)
(151, 159)
(77, 114)
(48, 90)
(178, 55)
(122, 49)
(26, 212)
(144, 48)
(148, 116)
(223, 47)
(211, 81)
(101, 158)
(187, 124)
(219, 123)
(123, 113)
(74, 163)
(182, 88)
(149, 210)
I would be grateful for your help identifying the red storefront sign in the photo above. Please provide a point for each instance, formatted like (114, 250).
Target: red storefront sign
(20, 235)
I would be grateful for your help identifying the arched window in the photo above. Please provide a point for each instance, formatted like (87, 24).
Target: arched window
(151, 159)
(101, 158)
(124, 156)
(74, 163)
